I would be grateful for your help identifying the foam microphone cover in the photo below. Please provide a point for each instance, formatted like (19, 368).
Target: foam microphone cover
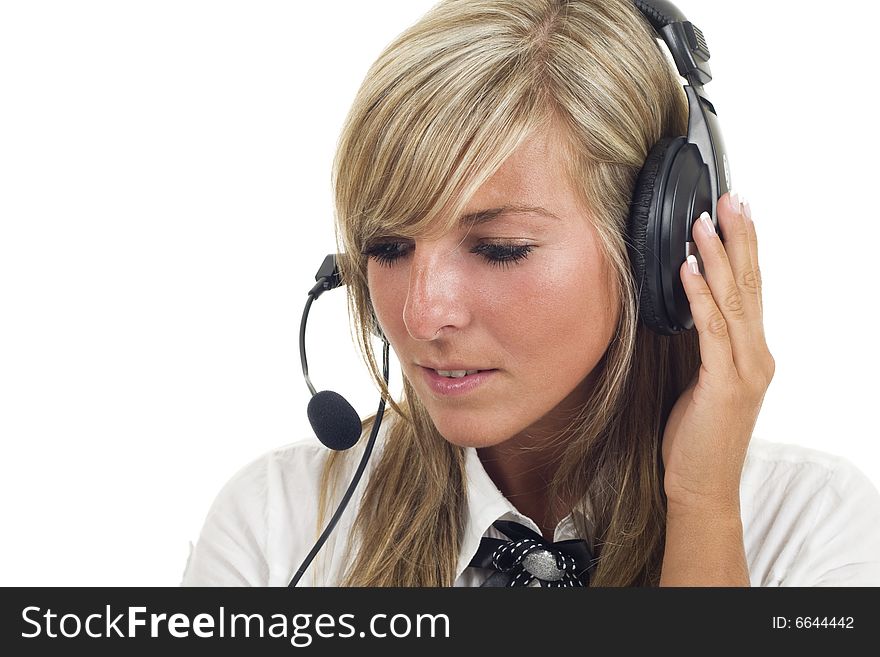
(334, 420)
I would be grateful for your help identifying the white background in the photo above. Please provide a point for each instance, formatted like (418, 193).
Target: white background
(165, 203)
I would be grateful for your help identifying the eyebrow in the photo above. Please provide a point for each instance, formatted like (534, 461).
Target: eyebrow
(484, 216)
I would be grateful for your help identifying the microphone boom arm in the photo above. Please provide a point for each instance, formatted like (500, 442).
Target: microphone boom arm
(354, 482)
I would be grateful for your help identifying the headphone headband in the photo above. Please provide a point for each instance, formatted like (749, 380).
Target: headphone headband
(691, 55)
(684, 39)
(660, 12)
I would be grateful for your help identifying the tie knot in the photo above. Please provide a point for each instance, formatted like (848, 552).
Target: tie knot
(527, 556)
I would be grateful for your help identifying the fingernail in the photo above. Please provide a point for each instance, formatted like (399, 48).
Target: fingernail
(692, 264)
(733, 199)
(747, 209)
(706, 220)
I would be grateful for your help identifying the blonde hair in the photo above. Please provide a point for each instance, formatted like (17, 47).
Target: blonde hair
(440, 110)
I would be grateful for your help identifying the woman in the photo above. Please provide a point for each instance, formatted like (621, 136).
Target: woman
(483, 186)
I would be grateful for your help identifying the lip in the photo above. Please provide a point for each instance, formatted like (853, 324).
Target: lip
(454, 367)
(446, 386)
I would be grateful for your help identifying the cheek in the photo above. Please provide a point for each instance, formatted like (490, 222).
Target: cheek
(556, 311)
(386, 295)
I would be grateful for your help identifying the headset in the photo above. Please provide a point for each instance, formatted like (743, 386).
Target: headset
(681, 177)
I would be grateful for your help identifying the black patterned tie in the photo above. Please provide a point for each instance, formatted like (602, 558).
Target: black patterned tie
(527, 556)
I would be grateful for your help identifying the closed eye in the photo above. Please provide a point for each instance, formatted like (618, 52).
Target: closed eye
(496, 254)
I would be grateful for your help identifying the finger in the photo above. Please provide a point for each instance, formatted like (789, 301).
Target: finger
(731, 278)
(716, 354)
(753, 250)
(737, 242)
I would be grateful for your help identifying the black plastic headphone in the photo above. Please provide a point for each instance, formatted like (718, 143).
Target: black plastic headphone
(681, 178)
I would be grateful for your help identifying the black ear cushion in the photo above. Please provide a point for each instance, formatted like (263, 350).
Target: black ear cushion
(650, 298)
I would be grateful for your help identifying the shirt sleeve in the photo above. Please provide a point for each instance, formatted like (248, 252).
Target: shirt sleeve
(843, 546)
(231, 549)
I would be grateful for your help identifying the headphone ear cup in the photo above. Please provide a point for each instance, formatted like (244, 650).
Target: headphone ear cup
(644, 221)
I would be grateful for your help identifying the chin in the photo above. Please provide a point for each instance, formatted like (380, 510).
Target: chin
(470, 430)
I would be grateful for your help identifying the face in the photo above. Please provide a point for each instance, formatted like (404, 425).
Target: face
(524, 293)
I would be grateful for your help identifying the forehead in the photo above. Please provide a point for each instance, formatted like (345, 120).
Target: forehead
(533, 177)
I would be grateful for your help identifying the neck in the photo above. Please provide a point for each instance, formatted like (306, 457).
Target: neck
(524, 482)
(523, 465)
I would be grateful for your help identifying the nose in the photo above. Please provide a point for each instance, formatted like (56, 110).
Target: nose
(436, 297)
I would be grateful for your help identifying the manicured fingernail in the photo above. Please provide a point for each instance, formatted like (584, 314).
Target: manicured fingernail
(733, 199)
(747, 209)
(692, 264)
(706, 220)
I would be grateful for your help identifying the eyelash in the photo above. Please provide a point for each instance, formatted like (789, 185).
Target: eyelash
(497, 255)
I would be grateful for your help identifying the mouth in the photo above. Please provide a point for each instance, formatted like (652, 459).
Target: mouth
(457, 374)
(456, 382)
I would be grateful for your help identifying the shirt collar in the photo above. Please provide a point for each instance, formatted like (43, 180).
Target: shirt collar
(486, 504)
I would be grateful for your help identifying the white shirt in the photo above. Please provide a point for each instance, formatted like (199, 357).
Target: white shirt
(809, 519)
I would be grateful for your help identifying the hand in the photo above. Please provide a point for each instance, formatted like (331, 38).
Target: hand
(709, 428)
